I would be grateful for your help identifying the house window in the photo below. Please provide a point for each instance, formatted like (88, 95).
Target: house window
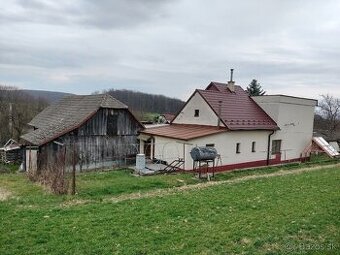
(197, 113)
(253, 146)
(238, 148)
(276, 146)
(210, 145)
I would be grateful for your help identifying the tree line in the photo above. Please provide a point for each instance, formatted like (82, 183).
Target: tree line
(17, 108)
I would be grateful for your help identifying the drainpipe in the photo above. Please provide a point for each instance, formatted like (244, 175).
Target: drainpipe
(219, 113)
(268, 150)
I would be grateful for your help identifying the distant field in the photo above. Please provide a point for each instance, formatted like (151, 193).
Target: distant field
(290, 213)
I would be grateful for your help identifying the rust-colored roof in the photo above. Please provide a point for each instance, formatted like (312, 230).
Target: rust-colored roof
(168, 116)
(236, 109)
(184, 131)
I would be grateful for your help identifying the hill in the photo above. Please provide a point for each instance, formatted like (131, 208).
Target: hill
(138, 102)
(144, 102)
(48, 96)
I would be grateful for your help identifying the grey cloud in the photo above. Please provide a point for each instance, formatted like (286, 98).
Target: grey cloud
(103, 14)
(171, 47)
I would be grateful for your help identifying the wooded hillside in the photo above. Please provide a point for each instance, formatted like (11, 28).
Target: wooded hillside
(143, 102)
(17, 108)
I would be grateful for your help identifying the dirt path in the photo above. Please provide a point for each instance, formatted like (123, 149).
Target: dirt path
(175, 190)
(4, 194)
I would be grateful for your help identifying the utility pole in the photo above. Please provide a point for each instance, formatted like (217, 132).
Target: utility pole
(10, 121)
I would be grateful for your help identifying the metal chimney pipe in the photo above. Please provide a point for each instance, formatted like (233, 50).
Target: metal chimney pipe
(231, 83)
(231, 74)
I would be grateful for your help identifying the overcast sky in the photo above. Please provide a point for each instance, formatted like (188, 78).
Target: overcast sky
(170, 47)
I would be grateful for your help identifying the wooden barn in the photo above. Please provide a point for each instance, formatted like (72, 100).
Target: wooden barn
(92, 131)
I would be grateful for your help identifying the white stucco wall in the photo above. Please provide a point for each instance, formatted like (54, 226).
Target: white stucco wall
(206, 116)
(168, 149)
(225, 143)
(295, 117)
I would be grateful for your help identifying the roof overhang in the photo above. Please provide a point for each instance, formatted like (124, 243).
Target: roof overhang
(184, 132)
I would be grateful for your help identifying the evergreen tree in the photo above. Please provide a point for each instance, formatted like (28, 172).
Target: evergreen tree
(254, 89)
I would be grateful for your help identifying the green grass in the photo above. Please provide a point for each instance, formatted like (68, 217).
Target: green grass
(8, 168)
(292, 214)
(100, 184)
(316, 160)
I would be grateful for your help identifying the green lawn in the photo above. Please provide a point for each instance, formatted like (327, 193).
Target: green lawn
(292, 214)
(96, 185)
(8, 168)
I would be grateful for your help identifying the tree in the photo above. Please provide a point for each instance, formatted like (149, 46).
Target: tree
(330, 110)
(254, 89)
(16, 110)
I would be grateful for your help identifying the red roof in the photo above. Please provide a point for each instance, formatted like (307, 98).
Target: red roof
(168, 116)
(236, 109)
(184, 131)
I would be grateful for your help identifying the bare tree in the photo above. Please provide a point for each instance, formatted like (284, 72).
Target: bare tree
(330, 110)
(16, 109)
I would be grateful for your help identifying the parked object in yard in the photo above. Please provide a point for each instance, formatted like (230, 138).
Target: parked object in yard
(204, 161)
(203, 153)
(326, 147)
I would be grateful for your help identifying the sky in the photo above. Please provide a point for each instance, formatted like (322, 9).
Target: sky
(171, 47)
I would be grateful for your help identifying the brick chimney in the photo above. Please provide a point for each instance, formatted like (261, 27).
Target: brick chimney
(231, 83)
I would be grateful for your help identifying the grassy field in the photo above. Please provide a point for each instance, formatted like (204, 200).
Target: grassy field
(8, 168)
(288, 214)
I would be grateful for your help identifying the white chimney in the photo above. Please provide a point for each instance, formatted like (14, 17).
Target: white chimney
(231, 83)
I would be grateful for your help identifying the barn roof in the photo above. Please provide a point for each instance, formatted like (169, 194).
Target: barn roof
(236, 109)
(184, 131)
(66, 115)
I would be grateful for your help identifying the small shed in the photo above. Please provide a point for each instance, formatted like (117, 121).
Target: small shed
(11, 152)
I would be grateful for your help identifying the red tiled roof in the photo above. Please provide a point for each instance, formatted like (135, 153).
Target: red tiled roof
(168, 116)
(184, 131)
(237, 110)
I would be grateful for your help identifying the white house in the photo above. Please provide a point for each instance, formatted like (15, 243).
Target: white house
(245, 131)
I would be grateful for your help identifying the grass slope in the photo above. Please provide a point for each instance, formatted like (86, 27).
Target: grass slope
(293, 214)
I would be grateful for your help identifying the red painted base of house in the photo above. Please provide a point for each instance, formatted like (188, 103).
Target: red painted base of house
(258, 163)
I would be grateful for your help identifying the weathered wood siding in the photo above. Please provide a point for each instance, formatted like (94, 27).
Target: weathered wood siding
(12, 156)
(109, 136)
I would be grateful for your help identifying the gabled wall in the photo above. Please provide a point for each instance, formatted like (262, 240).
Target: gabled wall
(105, 139)
(206, 117)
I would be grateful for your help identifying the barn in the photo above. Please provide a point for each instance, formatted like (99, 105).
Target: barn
(88, 131)
(245, 131)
